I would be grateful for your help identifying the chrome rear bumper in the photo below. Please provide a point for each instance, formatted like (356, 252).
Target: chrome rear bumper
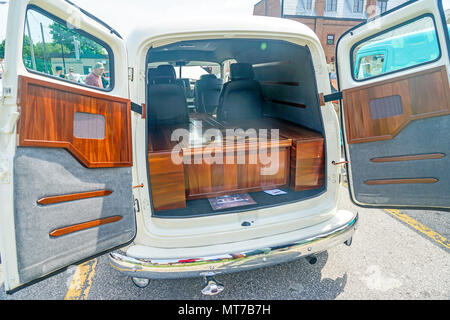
(227, 263)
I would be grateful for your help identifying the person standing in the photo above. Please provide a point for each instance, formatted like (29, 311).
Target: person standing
(95, 77)
(72, 76)
(59, 72)
(105, 82)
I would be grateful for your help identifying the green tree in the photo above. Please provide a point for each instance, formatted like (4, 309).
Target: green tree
(62, 34)
(2, 49)
(41, 61)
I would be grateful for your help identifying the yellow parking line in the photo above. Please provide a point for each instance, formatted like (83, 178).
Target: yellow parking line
(417, 225)
(81, 281)
(420, 227)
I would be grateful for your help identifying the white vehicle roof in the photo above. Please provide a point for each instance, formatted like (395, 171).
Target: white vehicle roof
(248, 24)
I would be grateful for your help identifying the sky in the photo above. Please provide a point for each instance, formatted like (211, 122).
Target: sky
(120, 14)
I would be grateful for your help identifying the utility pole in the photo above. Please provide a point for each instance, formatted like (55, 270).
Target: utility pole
(44, 49)
(33, 59)
(62, 48)
(76, 45)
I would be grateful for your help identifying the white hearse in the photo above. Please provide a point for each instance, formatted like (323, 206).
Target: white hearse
(200, 147)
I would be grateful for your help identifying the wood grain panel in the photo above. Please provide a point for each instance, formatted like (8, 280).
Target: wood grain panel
(47, 115)
(166, 182)
(401, 181)
(307, 164)
(409, 157)
(424, 94)
(299, 151)
(83, 226)
(210, 180)
(307, 154)
(73, 196)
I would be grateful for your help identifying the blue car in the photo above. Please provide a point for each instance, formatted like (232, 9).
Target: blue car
(388, 55)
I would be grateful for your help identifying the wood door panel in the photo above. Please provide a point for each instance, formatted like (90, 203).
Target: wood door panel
(83, 226)
(409, 157)
(423, 94)
(73, 196)
(47, 120)
(401, 181)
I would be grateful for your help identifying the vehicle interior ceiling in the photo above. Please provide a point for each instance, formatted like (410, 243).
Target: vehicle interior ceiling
(226, 82)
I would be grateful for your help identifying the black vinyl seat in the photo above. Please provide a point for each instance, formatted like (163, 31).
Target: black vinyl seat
(166, 98)
(207, 93)
(241, 98)
(151, 74)
(164, 74)
(187, 86)
(182, 85)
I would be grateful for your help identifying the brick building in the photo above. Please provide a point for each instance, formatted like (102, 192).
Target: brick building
(329, 19)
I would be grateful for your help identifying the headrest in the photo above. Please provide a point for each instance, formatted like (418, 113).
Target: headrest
(166, 71)
(241, 71)
(208, 76)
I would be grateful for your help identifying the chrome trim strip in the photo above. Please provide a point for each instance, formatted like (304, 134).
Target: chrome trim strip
(226, 263)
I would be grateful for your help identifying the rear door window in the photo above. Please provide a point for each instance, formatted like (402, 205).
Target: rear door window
(402, 47)
(57, 49)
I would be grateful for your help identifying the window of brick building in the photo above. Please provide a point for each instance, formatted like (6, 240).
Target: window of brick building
(358, 6)
(308, 4)
(330, 39)
(382, 4)
(331, 5)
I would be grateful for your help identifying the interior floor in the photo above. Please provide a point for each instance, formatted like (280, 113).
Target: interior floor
(202, 207)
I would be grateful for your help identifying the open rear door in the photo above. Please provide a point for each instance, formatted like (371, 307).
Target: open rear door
(393, 72)
(65, 141)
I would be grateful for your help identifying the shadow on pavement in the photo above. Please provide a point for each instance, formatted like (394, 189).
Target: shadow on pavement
(297, 280)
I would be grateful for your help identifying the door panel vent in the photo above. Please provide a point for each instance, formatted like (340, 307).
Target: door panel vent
(88, 125)
(386, 107)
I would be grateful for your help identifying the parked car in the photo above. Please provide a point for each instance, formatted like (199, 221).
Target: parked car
(384, 55)
(129, 169)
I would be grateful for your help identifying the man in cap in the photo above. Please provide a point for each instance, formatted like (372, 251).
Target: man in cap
(95, 77)
(72, 76)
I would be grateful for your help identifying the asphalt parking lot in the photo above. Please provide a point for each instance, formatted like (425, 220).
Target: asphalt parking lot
(395, 255)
